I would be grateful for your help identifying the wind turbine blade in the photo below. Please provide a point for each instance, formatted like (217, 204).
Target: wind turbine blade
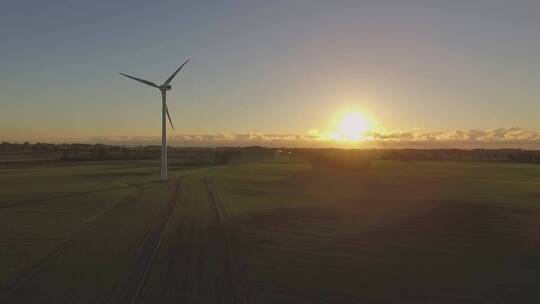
(169, 115)
(141, 80)
(174, 74)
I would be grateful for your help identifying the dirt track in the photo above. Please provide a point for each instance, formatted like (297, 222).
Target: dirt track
(129, 288)
(196, 261)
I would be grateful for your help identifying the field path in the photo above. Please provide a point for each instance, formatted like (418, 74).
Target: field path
(196, 262)
(68, 195)
(130, 286)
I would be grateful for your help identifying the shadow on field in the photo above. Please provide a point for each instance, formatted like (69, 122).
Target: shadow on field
(382, 248)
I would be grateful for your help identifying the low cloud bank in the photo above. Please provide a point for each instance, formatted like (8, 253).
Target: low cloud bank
(501, 134)
(498, 138)
(215, 140)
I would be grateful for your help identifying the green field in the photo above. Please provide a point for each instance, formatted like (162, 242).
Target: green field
(271, 231)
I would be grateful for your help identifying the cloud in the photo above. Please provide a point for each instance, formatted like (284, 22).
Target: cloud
(514, 137)
(393, 136)
(498, 138)
(211, 140)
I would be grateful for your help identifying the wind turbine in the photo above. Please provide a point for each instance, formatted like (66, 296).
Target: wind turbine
(166, 86)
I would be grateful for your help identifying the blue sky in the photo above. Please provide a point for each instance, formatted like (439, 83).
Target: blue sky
(281, 67)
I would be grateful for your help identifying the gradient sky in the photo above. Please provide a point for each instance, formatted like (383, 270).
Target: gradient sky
(283, 67)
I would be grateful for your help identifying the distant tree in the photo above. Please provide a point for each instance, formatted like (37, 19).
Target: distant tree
(126, 153)
(66, 154)
(101, 154)
(222, 158)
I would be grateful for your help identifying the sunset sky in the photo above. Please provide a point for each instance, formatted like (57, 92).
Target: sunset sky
(287, 69)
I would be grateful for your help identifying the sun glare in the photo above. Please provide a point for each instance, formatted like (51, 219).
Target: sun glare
(352, 127)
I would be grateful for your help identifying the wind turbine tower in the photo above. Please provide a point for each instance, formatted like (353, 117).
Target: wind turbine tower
(166, 86)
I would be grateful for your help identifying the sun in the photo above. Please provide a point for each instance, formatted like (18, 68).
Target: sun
(352, 126)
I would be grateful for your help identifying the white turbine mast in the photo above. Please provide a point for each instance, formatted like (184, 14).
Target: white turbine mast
(166, 86)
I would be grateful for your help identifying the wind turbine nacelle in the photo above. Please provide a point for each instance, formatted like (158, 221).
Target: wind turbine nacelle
(166, 87)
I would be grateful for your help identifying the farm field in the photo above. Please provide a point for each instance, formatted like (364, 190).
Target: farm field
(272, 231)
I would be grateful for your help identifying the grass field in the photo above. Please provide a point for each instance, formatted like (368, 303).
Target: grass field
(273, 231)
(404, 232)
